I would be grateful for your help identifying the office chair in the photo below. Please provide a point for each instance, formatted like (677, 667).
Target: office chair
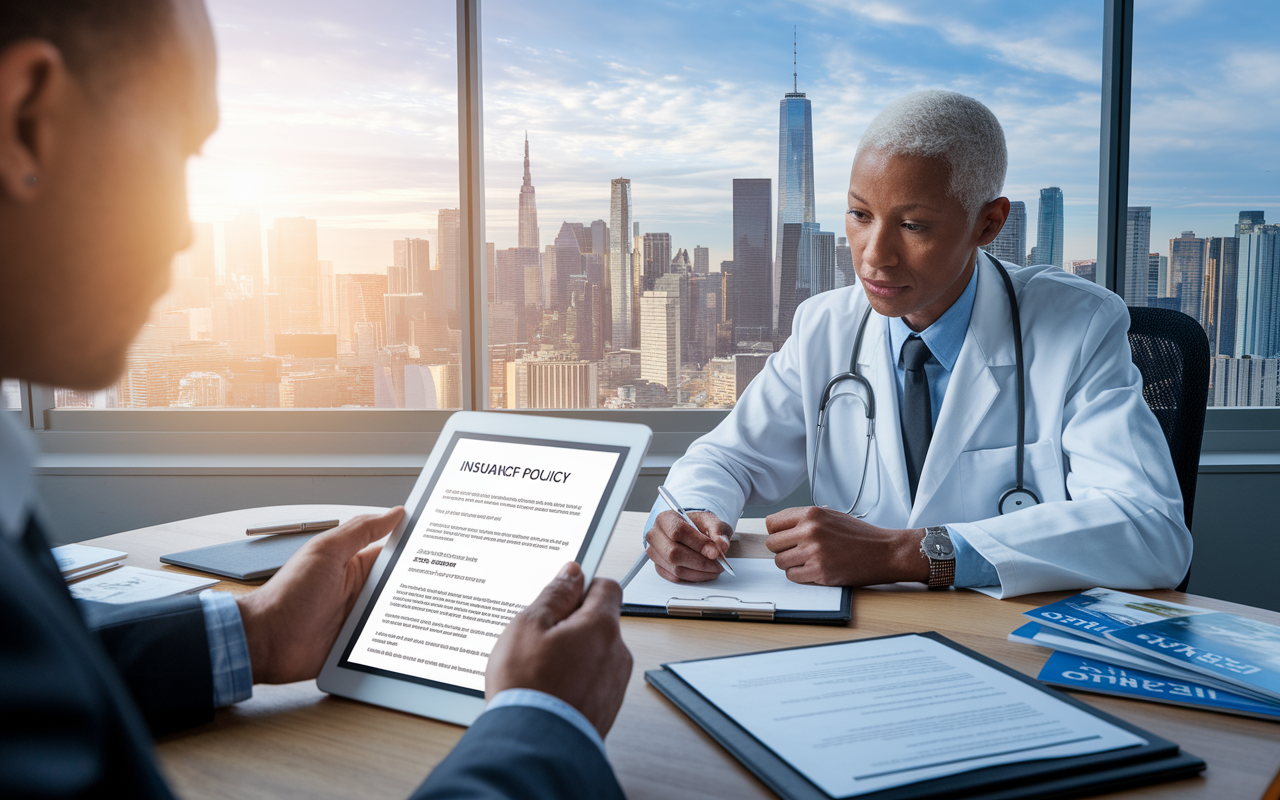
(1171, 351)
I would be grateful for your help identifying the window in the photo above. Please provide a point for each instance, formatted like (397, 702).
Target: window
(659, 200)
(324, 270)
(1202, 236)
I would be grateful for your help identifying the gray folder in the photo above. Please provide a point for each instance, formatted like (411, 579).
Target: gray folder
(245, 560)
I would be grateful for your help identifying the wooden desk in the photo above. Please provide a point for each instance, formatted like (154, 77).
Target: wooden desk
(294, 741)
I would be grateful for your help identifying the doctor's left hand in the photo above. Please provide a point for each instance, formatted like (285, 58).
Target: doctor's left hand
(826, 547)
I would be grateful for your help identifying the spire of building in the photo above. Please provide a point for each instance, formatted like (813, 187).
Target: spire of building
(528, 220)
(795, 80)
(527, 180)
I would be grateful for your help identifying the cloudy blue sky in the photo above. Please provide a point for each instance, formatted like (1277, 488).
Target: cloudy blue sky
(346, 112)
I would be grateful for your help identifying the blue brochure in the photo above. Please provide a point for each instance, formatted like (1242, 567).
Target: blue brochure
(1228, 647)
(1086, 674)
(1098, 613)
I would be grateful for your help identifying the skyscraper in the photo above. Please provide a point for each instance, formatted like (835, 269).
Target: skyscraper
(528, 230)
(295, 271)
(1011, 243)
(1258, 295)
(795, 174)
(1221, 260)
(657, 258)
(1186, 260)
(1049, 224)
(1137, 251)
(701, 260)
(449, 233)
(1249, 219)
(749, 302)
(619, 265)
(243, 239)
(568, 262)
(414, 255)
(660, 339)
(845, 274)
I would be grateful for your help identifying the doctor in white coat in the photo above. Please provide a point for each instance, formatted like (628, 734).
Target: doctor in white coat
(1102, 505)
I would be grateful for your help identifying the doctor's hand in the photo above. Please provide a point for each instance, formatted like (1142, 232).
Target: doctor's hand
(826, 547)
(681, 552)
(291, 622)
(567, 646)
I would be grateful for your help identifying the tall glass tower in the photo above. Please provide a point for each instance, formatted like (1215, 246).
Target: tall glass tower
(528, 232)
(1048, 249)
(619, 264)
(795, 176)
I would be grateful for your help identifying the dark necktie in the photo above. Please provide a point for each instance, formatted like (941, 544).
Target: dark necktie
(917, 410)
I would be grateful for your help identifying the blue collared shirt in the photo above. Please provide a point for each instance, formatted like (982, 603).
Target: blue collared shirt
(944, 338)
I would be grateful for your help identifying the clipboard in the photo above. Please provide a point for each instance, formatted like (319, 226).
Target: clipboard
(1073, 776)
(694, 604)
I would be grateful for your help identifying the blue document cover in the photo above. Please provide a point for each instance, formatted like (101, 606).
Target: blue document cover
(1232, 648)
(1097, 613)
(1089, 675)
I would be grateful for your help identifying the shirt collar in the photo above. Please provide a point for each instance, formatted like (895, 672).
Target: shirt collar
(946, 335)
(17, 476)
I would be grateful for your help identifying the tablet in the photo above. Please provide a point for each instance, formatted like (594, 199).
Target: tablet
(503, 502)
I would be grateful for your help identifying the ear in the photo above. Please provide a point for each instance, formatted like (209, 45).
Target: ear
(33, 78)
(991, 220)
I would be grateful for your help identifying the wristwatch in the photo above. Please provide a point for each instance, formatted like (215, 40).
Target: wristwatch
(941, 553)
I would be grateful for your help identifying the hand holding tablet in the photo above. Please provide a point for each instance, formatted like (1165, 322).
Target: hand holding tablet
(494, 516)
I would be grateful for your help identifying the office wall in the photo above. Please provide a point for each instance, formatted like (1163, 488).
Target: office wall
(1235, 512)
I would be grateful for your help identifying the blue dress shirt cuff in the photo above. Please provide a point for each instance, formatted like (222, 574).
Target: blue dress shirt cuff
(228, 648)
(971, 568)
(532, 698)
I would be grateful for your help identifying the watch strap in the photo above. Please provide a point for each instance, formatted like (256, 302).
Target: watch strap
(942, 571)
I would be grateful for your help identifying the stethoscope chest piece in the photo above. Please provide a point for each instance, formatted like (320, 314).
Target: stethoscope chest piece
(1017, 499)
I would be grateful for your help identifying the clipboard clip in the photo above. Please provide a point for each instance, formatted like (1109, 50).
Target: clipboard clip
(720, 607)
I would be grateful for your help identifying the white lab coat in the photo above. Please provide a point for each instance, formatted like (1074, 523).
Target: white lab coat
(1111, 509)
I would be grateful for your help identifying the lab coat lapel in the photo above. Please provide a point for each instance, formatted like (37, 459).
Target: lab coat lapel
(876, 360)
(973, 389)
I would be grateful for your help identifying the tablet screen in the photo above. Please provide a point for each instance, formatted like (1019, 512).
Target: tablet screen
(499, 518)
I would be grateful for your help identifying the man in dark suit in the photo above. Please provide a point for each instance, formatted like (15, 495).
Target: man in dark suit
(101, 104)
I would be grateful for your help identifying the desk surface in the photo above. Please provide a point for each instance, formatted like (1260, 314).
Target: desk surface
(295, 741)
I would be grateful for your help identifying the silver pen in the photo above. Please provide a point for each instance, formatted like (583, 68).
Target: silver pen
(676, 507)
(295, 527)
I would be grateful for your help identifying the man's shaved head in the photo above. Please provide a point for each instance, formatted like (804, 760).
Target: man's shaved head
(98, 39)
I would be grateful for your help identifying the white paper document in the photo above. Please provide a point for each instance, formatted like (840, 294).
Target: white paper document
(78, 560)
(134, 584)
(758, 580)
(859, 717)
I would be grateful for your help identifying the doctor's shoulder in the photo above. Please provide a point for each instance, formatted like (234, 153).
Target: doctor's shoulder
(1049, 295)
(842, 307)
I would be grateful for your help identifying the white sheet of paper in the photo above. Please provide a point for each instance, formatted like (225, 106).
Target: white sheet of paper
(73, 558)
(134, 584)
(859, 717)
(758, 579)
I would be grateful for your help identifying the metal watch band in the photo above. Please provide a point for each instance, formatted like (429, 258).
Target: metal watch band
(942, 571)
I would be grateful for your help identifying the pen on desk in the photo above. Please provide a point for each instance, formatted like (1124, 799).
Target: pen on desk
(676, 507)
(295, 527)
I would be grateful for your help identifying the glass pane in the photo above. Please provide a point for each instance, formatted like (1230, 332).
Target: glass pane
(9, 397)
(1203, 232)
(642, 254)
(324, 267)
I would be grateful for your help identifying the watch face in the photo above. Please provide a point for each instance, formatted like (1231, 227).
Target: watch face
(937, 545)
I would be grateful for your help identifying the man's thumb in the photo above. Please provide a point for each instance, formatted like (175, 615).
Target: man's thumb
(559, 598)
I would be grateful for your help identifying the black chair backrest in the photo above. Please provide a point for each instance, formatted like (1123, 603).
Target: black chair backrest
(1171, 351)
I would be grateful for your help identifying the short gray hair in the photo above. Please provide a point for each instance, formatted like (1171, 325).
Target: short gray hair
(950, 126)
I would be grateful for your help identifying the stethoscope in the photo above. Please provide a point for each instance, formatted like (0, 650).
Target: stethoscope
(1014, 499)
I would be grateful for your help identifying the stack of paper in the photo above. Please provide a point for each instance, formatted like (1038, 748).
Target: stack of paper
(134, 584)
(1116, 643)
(80, 561)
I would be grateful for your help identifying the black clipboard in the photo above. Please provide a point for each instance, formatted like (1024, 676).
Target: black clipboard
(712, 606)
(1073, 776)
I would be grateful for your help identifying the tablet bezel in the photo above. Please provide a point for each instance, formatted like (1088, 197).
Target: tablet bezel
(458, 704)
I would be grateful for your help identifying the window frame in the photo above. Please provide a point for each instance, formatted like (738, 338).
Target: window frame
(340, 430)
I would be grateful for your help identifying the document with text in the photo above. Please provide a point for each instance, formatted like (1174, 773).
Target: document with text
(863, 716)
(502, 517)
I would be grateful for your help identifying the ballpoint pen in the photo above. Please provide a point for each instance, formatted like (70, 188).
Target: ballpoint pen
(676, 507)
(295, 527)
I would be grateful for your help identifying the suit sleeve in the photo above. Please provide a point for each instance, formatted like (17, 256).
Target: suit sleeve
(161, 649)
(521, 753)
(1123, 525)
